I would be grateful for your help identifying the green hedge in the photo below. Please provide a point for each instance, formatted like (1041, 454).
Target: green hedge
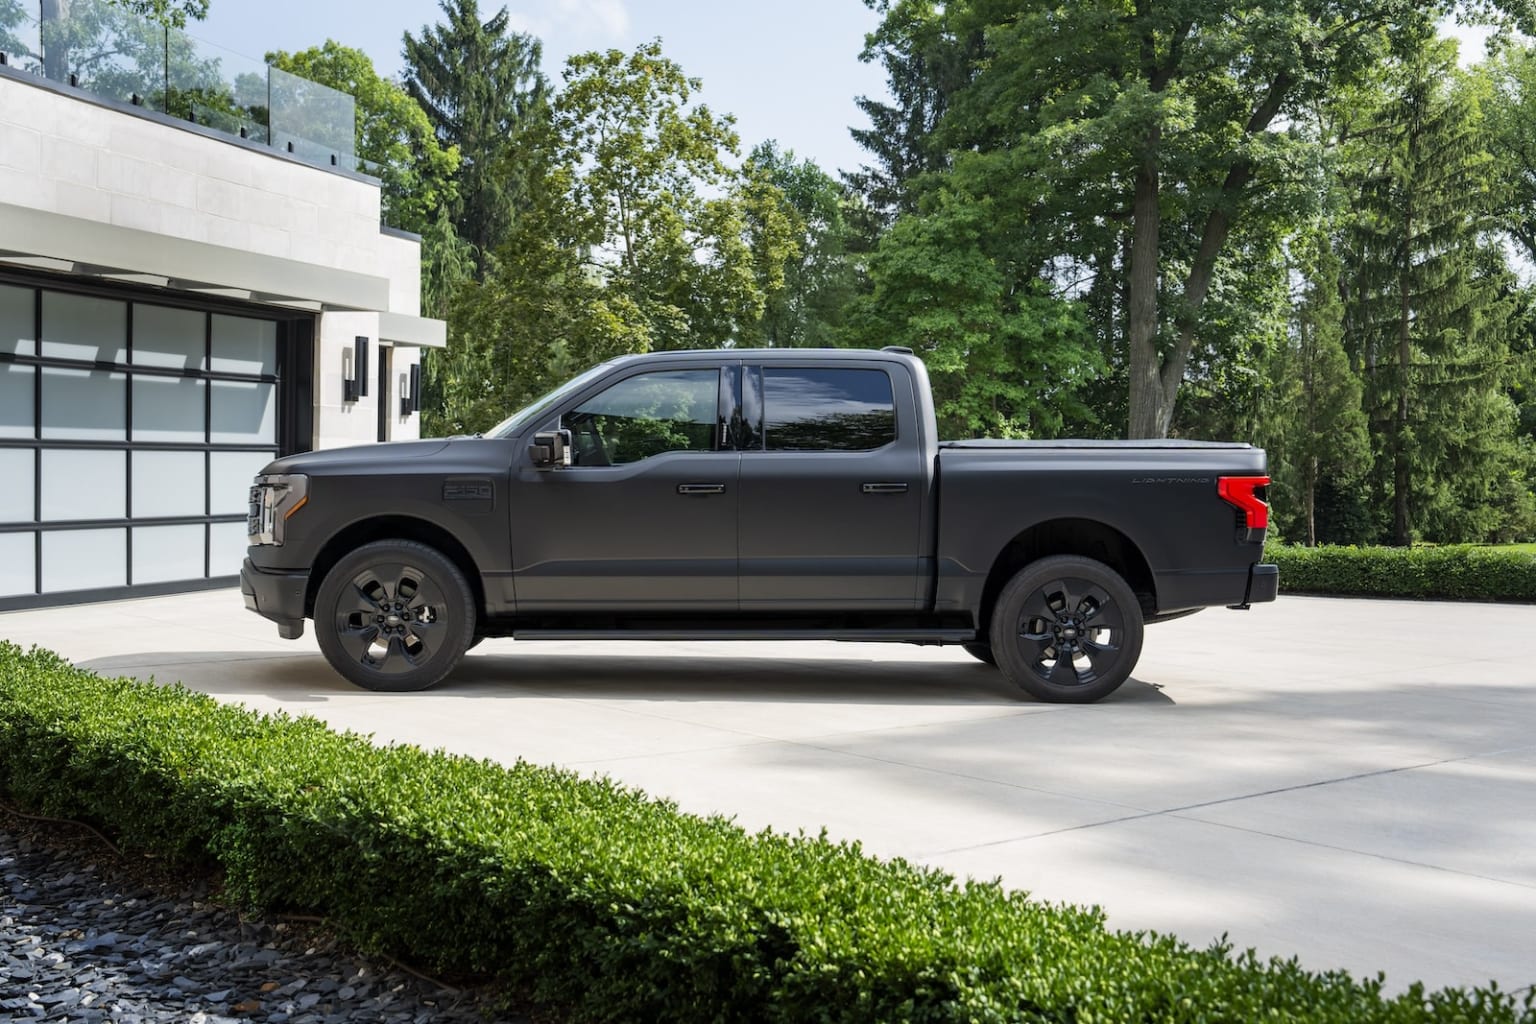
(1460, 572)
(600, 902)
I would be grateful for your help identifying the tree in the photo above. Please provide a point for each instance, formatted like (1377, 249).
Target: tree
(924, 68)
(661, 215)
(1431, 302)
(1318, 425)
(807, 277)
(483, 92)
(1158, 128)
(393, 132)
(1006, 355)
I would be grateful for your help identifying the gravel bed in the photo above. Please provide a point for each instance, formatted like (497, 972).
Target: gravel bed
(81, 940)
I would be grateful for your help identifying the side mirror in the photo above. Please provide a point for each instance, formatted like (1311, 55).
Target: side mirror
(551, 449)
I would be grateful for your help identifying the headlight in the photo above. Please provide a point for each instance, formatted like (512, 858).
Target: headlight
(274, 499)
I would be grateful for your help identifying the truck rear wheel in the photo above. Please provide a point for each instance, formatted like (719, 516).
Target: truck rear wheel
(394, 615)
(1067, 629)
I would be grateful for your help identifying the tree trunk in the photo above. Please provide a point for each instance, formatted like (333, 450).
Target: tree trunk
(53, 35)
(1310, 488)
(1402, 534)
(1141, 314)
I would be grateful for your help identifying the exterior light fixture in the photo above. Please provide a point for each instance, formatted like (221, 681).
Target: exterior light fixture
(354, 370)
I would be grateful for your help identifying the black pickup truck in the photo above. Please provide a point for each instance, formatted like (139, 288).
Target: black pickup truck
(754, 494)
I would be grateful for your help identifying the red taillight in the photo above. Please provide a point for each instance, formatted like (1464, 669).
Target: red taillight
(1242, 491)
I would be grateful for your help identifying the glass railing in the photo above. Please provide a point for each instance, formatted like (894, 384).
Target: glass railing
(104, 50)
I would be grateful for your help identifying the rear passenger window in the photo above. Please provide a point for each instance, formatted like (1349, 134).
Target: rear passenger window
(827, 410)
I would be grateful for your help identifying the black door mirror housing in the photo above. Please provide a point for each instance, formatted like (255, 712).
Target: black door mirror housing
(551, 449)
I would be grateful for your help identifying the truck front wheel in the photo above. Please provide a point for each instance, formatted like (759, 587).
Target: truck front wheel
(1067, 629)
(394, 615)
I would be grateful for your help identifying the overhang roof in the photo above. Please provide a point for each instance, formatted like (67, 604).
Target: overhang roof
(56, 241)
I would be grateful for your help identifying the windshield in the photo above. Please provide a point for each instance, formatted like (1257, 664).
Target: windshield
(539, 406)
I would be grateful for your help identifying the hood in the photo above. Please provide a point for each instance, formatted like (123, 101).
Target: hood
(367, 457)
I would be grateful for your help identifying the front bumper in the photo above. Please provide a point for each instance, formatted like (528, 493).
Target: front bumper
(278, 596)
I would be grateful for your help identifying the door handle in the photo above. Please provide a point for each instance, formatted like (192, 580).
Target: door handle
(701, 488)
(893, 488)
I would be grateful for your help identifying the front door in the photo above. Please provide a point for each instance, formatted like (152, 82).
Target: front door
(645, 517)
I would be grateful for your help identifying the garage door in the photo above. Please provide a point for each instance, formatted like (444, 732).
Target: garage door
(129, 432)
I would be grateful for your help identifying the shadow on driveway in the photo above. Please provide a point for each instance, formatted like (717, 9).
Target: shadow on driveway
(703, 677)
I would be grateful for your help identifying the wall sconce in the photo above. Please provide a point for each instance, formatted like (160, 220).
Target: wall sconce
(410, 391)
(354, 370)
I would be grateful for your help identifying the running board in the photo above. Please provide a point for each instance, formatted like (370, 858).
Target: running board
(901, 636)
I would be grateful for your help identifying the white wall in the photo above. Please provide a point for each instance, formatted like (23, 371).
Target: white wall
(338, 422)
(65, 155)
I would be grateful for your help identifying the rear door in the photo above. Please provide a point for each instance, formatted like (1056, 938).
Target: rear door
(832, 486)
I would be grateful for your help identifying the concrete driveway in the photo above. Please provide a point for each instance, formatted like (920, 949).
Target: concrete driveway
(1350, 782)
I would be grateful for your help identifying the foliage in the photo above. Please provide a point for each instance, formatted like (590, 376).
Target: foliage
(1316, 426)
(483, 92)
(173, 13)
(635, 234)
(1431, 305)
(804, 271)
(1157, 132)
(600, 902)
(653, 200)
(1004, 353)
(1456, 572)
(393, 132)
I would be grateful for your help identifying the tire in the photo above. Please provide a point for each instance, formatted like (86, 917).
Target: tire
(981, 652)
(1067, 604)
(394, 616)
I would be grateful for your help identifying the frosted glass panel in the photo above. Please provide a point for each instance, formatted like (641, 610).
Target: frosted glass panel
(163, 553)
(169, 337)
(168, 409)
(16, 413)
(168, 484)
(230, 479)
(17, 321)
(18, 564)
(226, 548)
(16, 485)
(244, 413)
(84, 327)
(84, 559)
(84, 484)
(243, 345)
(89, 405)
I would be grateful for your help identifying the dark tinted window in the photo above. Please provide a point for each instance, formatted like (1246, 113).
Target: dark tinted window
(827, 410)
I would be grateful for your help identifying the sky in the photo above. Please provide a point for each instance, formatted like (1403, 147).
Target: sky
(788, 70)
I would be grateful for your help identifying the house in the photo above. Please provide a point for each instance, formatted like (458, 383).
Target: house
(194, 280)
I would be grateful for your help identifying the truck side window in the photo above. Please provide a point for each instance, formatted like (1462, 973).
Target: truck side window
(807, 409)
(645, 415)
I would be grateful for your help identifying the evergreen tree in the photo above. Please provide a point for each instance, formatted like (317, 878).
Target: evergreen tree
(1318, 427)
(1430, 310)
(483, 91)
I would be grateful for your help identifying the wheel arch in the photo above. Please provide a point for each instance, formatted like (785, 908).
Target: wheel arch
(366, 531)
(1088, 538)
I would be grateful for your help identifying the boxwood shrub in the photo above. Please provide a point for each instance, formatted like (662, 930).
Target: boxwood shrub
(600, 902)
(1460, 572)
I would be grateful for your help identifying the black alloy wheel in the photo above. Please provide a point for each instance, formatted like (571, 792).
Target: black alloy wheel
(1067, 629)
(394, 616)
